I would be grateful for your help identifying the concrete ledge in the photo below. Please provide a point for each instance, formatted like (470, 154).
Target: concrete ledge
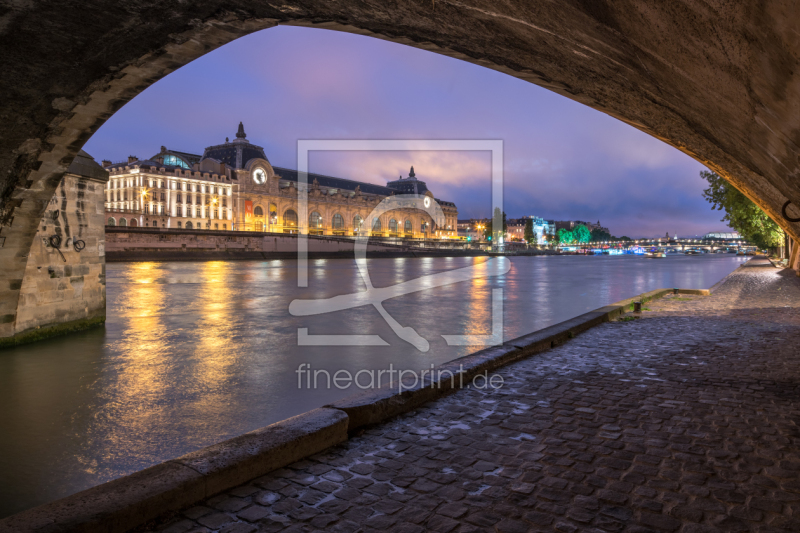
(127, 502)
(696, 292)
(240, 459)
(114, 506)
(380, 404)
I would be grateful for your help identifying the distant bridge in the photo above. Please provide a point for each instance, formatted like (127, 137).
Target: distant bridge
(663, 244)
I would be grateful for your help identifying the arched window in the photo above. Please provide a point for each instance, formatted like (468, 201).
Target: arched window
(338, 221)
(357, 221)
(189, 224)
(134, 223)
(123, 222)
(175, 161)
(258, 211)
(155, 223)
(315, 220)
(111, 221)
(179, 223)
(290, 218)
(376, 224)
(408, 226)
(392, 226)
(224, 226)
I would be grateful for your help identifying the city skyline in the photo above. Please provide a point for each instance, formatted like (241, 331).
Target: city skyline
(562, 160)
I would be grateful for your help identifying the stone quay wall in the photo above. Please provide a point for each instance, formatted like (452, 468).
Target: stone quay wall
(168, 244)
(64, 286)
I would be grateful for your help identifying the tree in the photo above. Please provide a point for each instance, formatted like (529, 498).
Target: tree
(741, 213)
(565, 236)
(487, 232)
(528, 234)
(625, 239)
(581, 233)
(599, 235)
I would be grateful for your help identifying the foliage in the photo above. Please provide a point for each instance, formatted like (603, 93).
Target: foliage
(528, 234)
(581, 233)
(565, 236)
(599, 235)
(741, 213)
(624, 239)
(487, 232)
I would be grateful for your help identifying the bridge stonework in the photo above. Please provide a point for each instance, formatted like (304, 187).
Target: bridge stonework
(719, 81)
(63, 287)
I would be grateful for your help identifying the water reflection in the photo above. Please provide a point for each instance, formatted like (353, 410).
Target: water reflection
(194, 353)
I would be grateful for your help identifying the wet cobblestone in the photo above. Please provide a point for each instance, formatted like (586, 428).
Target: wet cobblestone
(684, 420)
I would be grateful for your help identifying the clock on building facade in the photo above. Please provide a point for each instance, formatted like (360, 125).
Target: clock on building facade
(259, 176)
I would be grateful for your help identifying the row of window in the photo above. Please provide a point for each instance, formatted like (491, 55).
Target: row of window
(337, 223)
(187, 211)
(182, 186)
(154, 196)
(123, 222)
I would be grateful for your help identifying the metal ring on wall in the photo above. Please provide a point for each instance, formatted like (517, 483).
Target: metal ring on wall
(783, 212)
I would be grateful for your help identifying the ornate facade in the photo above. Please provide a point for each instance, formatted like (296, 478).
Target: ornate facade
(233, 186)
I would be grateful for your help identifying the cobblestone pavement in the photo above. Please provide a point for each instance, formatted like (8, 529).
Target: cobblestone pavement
(685, 420)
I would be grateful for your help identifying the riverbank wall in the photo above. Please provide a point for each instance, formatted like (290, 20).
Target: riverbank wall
(128, 502)
(167, 244)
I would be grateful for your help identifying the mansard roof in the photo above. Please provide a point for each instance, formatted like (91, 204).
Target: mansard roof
(335, 183)
(345, 184)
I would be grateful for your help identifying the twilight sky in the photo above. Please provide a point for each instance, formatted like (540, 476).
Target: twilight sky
(562, 160)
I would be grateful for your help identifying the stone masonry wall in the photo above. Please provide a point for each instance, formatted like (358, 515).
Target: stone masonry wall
(173, 240)
(63, 288)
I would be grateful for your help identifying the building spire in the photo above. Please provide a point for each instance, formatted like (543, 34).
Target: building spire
(240, 134)
(411, 174)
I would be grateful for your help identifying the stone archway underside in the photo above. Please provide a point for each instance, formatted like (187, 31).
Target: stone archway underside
(717, 80)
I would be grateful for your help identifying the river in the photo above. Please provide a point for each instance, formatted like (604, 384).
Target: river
(194, 353)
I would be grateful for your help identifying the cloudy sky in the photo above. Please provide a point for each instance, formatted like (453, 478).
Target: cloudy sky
(562, 160)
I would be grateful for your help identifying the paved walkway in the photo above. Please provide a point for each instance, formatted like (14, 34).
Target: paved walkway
(686, 420)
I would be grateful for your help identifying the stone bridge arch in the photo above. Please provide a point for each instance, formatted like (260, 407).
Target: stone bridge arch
(717, 80)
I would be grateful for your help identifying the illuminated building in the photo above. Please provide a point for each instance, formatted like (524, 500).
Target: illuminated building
(233, 186)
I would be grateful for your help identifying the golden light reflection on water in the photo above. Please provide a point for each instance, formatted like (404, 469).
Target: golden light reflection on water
(214, 329)
(139, 377)
(479, 308)
(216, 355)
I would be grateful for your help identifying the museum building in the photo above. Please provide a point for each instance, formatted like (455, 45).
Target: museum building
(233, 186)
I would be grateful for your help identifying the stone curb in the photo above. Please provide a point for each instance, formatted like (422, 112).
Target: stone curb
(132, 500)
